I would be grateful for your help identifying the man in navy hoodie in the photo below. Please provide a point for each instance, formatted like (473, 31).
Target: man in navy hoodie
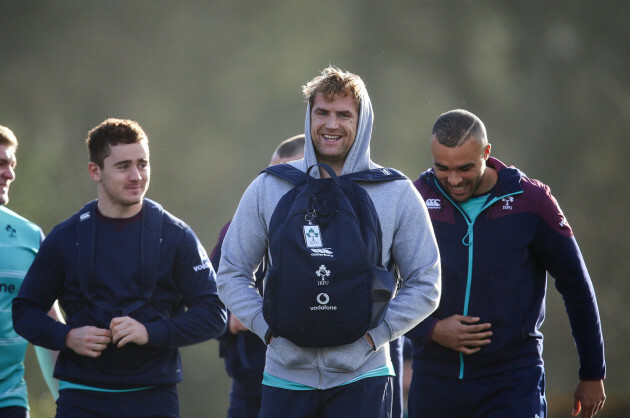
(499, 233)
(134, 282)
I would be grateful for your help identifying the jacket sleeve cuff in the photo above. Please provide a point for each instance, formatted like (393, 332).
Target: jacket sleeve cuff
(259, 326)
(593, 375)
(430, 332)
(593, 379)
(422, 332)
(158, 334)
(381, 335)
(58, 336)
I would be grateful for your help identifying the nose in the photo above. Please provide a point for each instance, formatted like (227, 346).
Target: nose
(8, 173)
(332, 122)
(134, 173)
(454, 179)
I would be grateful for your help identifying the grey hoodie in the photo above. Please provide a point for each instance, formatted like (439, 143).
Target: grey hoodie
(407, 237)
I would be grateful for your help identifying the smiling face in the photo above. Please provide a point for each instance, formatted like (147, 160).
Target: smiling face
(333, 128)
(123, 180)
(462, 170)
(7, 171)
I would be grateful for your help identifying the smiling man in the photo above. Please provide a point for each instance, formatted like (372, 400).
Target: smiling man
(345, 380)
(333, 128)
(480, 353)
(134, 282)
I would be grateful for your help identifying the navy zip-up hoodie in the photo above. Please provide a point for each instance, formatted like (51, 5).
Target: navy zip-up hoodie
(175, 274)
(494, 267)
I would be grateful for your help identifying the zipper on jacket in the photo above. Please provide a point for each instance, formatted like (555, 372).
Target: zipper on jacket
(468, 240)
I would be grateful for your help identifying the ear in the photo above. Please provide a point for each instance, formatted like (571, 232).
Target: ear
(95, 171)
(486, 152)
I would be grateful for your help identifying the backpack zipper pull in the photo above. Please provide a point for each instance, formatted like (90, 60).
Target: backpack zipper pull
(312, 213)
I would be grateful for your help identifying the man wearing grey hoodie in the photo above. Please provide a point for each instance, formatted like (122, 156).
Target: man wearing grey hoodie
(353, 379)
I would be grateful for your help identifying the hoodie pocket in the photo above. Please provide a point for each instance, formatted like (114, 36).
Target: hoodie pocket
(348, 357)
(284, 352)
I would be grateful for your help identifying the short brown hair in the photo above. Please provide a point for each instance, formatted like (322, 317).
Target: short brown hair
(112, 132)
(7, 137)
(334, 81)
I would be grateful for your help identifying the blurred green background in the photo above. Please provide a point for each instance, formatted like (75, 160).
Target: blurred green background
(217, 84)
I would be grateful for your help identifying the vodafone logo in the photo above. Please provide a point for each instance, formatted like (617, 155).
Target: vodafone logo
(433, 203)
(204, 265)
(323, 299)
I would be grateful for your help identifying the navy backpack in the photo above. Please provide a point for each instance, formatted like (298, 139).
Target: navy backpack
(326, 285)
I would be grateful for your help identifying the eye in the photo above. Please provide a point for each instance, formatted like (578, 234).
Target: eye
(8, 163)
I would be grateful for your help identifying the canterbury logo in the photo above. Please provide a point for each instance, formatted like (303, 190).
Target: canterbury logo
(386, 172)
(84, 216)
(433, 203)
(321, 252)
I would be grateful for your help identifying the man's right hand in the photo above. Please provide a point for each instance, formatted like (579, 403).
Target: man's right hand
(461, 333)
(235, 325)
(88, 341)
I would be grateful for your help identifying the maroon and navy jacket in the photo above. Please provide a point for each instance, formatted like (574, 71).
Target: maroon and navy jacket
(495, 267)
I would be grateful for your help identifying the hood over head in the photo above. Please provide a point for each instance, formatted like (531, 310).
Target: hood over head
(358, 158)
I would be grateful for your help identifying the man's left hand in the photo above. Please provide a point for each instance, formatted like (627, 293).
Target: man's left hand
(589, 398)
(368, 337)
(127, 330)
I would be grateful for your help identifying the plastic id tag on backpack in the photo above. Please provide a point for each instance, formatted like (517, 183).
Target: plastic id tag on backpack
(312, 236)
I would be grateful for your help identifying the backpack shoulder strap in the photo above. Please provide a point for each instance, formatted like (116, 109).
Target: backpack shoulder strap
(287, 172)
(152, 222)
(375, 175)
(86, 222)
